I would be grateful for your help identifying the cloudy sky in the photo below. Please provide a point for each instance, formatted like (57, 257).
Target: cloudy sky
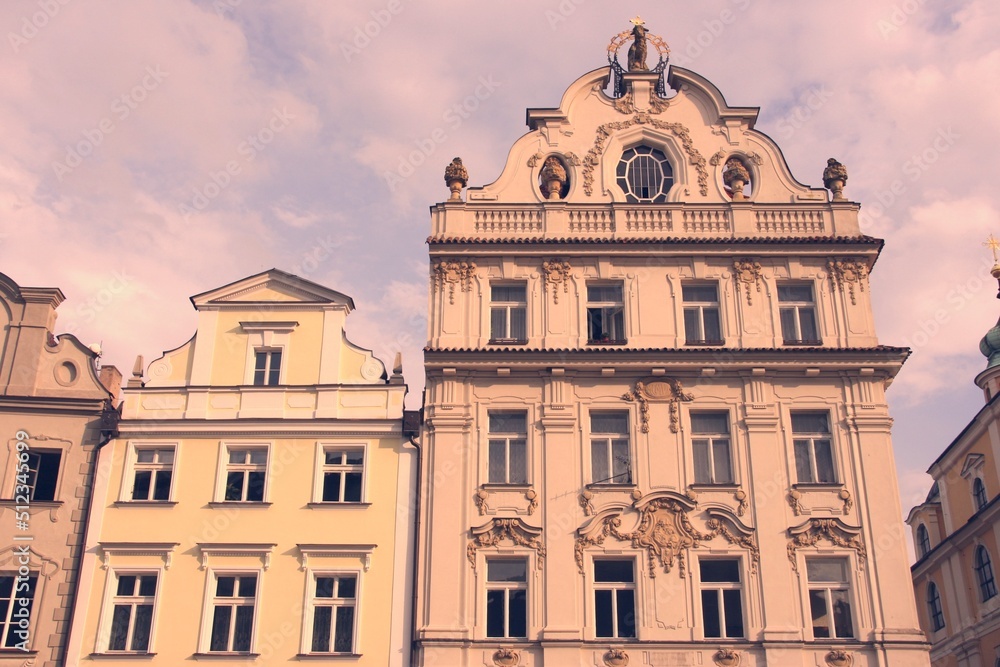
(155, 149)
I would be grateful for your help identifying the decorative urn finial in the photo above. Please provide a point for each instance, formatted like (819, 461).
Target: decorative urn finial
(835, 178)
(735, 176)
(457, 177)
(637, 52)
(553, 177)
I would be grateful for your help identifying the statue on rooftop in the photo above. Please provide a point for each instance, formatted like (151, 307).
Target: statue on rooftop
(637, 52)
(835, 178)
(457, 177)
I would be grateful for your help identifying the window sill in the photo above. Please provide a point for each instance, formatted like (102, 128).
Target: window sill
(121, 654)
(143, 503)
(500, 486)
(803, 343)
(506, 341)
(818, 486)
(329, 504)
(611, 486)
(33, 504)
(705, 343)
(705, 486)
(328, 656)
(240, 503)
(225, 656)
(616, 341)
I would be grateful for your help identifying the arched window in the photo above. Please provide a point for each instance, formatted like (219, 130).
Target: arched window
(645, 175)
(923, 540)
(979, 493)
(934, 611)
(984, 573)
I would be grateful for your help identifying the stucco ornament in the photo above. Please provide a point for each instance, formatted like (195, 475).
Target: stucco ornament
(845, 495)
(726, 657)
(747, 272)
(837, 658)
(553, 177)
(658, 391)
(835, 178)
(615, 657)
(847, 274)
(506, 657)
(457, 177)
(744, 503)
(735, 176)
(532, 498)
(586, 502)
(496, 531)
(834, 531)
(454, 273)
(557, 272)
(795, 501)
(481, 498)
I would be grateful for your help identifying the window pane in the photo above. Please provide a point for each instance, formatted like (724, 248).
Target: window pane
(842, 622)
(352, 487)
(145, 455)
(498, 323)
(508, 422)
(518, 462)
(322, 622)
(495, 613)
(731, 600)
(518, 614)
(225, 587)
(713, 327)
(709, 293)
(355, 456)
(260, 364)
(508, 293)
(343, 641)
(147, 585)
(609, 422)
(803, 465)
(702, 464)
(143, 622)
(518, 323)
(709, 422)
(162, 489)
(331, 487)
(599, 461)
(810, 422)
(248, 587)
(626, 613)
(498, 461)
(604, 293)
(710, 613)
(244, 627)
(723, 468)
(820, 620)
(507, 570)
(126, 585)
(713, 571)
(789, 330)
(603, 614)
(824, 461)
(234, 486)
(348, 588)
(333, 457)
(324, 587)
(255, 486)
(140, 491)
(119, 627)
(275, 370)
(807, 324)
(613, 571)
(826, 570)
(258, 456)
(620, 464)
(48, 474)
(795, 293)
(166, 455)
(238, 456)
(220, 628)
(692, 326)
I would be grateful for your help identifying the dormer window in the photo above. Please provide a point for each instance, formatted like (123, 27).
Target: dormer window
(267, 351)
(267, 368)
(645, 175)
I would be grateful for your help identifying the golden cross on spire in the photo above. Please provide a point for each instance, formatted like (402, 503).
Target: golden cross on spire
(637, 21)
(993, 245)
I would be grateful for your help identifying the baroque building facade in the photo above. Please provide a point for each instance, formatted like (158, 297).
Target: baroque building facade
(655, 419)
(956, 533)
(56, 411)
(257, 504)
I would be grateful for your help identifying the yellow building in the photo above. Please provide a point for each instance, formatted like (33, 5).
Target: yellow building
(55, 411)
(956, 534)
(257, 503)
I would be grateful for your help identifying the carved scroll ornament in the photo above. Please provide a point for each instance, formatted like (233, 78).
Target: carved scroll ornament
(658, 390)
(834, 531)
(454, 273)
(557, 272)
(496, 531)
(847, 274)
(747, 272)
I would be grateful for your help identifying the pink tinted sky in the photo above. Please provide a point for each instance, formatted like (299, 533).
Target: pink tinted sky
(155, 149)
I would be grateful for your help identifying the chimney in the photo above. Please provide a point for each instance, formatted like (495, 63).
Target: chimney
(111, 378)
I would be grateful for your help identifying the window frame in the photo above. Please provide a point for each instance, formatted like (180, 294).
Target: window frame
(106, 622)
(20, 484)
(607, 311)
(507, 307)
(797, 306)
(828, 587)
(268, 370)
(132, 465)
(506, 437)
(321, 468)
(309, 622)
(810, 438)
(923, 540)
(719, 587)
(221, 479)
(699, 307)
(609, 442)
(6, 627)
(596, 586)
(624, 176)
(208, 613)
(710, 439)
(935, 609)
(507, 587)
(985, 577)
(979, 497)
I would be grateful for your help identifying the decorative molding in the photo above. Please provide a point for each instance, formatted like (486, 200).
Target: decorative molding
(585, 502)
(838, 658)
(506, 657)
(744, 503)
(572, 159)
(845, 495)
(532, 500)
(834, 531)
(593, 156)
(164, 550)
(658, 390)
(262, 551)
(615, 657)
(454, 273)
(756, 158)
(748, 272)
(717, 157)
(362, 551)
(848, 273)
(495, 531)
(795, 501)
(624, 104)
(480, 498)
(726, 657)
(665, 532)
(533, 160)
(557, 271)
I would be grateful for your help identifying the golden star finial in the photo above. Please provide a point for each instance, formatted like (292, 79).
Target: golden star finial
(993, 245)
(637, 21)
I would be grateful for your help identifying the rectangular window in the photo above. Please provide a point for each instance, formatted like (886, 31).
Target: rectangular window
(614, 598)
(609, 448)
(605, 314)
(343, 475)
(721, 598)
(710, 443)
(830, 598)
(813, 448)
(42, 474)
(797, 309)
(153, 472)
(233, 605)
(506, 598)
(246, 473)
(508, 453)
(132, 612)
(267, 367)
(334, 613)
(508, 313)
(702, 325)
(17, 595)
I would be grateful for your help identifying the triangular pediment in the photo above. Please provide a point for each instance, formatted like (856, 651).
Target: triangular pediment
(273, 286)
(973, 462)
